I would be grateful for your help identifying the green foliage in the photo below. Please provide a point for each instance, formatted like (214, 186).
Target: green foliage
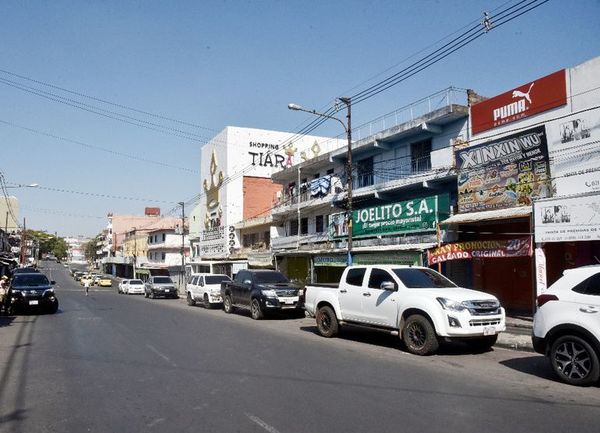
(90, 248)
(49, 243)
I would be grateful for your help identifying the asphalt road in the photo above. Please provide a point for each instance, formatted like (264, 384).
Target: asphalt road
(117, 363)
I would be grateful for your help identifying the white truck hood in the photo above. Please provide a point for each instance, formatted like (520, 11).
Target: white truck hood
(458, 294)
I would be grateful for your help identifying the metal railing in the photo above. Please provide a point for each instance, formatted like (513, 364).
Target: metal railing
(443, 98)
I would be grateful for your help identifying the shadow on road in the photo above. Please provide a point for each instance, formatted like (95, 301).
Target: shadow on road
(536, 365)
(6, 320)
(383, 339)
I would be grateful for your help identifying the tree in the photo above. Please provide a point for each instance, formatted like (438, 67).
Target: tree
(49, 243)
(90, 248)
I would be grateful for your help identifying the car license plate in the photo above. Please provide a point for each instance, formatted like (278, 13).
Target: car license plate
(34, 302)
(489, 330)
(166, 290)
(288, 301)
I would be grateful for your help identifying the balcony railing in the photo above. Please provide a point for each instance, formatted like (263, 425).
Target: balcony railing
(441, 99)
(314, 189)
(389, 172)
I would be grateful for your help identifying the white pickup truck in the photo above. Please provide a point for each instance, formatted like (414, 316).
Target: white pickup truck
(420, 305)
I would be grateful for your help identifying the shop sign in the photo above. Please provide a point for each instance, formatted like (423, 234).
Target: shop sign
(574, 148)
(540, 271)
(524, 101)
(480, 249)
(568, 219)
(387, 258)
(260, 259)
(408, 216)
(508, 172)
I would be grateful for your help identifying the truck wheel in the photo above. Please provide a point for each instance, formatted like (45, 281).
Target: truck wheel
(419, 336)
(574, 361)
(206, 302)
(483, 343)
(327, 323)
(256, 310)
(190, 301)
(145, 294)
(53, 308)
(227, 304)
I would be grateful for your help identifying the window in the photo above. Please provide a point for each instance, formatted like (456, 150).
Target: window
(355, 276)
(163, 256)
(267, 239)
(377, 277)
(164, 237)
(589, 286)
(304, 226)
(319, 224)
(330, 171)
(364, 173)
(316, 176)
(293, 227)
(420, 156)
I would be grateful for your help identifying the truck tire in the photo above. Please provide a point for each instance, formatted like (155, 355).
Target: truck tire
(206, 302)
(574, 360)
(256, 310)
(419, 336)
(227, 304)
(190, 301)
(327, 323)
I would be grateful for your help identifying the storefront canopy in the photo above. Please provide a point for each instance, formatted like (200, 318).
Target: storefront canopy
(489, 215)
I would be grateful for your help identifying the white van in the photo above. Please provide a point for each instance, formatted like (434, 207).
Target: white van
(205, 288)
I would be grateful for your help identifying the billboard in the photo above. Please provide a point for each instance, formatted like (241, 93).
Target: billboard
(521, 102)
(568, 219)
(409, 216)
(574, 148)
(508, 172)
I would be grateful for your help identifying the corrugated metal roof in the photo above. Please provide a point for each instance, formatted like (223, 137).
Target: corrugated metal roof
(489, 215)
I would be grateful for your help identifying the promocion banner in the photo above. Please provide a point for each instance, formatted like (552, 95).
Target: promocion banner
(480, 249)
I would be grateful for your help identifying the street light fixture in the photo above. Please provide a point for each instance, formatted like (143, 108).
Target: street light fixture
(31, 185)
(348, 128)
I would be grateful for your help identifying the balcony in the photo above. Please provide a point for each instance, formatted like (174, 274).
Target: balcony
(301, 242)
(321, 191)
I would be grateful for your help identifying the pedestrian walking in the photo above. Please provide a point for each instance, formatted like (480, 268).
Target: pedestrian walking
(86, 285)
(3, 291)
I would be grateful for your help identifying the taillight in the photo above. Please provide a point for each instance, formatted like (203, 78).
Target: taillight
(542, 299)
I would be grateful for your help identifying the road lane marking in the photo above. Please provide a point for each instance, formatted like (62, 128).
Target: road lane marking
(156, 421)
(261, 423)
(163, 356)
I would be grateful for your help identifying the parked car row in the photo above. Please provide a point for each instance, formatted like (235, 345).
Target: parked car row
(419, 305)
(156, 286)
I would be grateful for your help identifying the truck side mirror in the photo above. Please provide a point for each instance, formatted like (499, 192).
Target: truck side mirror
(388, 285)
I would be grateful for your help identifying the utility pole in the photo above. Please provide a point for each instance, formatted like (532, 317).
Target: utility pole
(182, 276)
(23, 242)
(6, 223)
(134, 252)
(347, 101)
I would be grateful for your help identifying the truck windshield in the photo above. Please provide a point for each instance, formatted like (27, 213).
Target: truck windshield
(422, 278)
(30, 280)
(270, 277)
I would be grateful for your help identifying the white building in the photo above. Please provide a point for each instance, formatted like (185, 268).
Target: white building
(9, 214)
(238, 193)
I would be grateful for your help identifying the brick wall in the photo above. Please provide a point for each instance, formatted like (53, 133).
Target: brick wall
(259, 193)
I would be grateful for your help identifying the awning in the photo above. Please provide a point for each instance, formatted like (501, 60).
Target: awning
(489, 215)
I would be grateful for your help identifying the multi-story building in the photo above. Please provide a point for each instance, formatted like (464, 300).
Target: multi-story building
(9, 214)
(403, 185)
(237, 194)
(167, 252)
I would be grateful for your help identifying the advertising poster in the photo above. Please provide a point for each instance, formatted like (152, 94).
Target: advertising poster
(574, 148)
(568, 219)
(480, 249)
(408, 216)
(509, 172)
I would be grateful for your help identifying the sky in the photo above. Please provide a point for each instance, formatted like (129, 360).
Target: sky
(206, 65)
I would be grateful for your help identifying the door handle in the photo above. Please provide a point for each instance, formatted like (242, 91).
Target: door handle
(588, 310)
(343, 291)
(366, 294)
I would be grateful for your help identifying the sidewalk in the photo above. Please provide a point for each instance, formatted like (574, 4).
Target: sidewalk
(517, 335)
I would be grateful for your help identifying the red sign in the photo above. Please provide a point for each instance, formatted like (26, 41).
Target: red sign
(152, 211)
(524, 101)
(480, 249)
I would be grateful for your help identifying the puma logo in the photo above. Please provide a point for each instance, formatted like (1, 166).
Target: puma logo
(519, 94)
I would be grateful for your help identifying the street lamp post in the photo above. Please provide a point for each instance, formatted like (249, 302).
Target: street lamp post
(348, 128)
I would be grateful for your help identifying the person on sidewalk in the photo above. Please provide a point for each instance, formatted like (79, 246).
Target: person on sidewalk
(3, 291)
(86, 285)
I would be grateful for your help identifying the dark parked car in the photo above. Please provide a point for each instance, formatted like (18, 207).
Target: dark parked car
(261, 291)
(160, 286)
(32, 291)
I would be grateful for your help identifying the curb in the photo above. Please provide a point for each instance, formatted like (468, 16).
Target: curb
(515, 342)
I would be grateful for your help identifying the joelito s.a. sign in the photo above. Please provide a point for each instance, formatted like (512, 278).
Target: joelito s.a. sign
(416, 215)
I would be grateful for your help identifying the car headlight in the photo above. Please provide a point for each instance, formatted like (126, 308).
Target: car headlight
(269, 293)
(450, 305)
(300, 292)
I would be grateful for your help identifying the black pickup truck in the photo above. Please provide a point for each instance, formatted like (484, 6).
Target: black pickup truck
(261, 291)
